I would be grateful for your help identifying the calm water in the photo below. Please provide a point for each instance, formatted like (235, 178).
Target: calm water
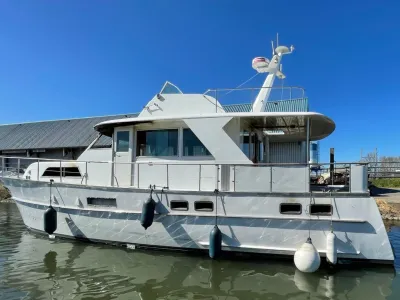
(34, 267)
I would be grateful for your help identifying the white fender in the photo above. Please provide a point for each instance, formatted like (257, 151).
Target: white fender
(307, 258)
(331, 251)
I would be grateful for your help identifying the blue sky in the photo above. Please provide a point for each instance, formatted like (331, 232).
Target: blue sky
(68, 59)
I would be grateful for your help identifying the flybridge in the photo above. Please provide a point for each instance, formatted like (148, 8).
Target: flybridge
(261, 65)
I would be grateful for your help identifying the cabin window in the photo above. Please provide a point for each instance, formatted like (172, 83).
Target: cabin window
(66, 172)
(108, 202)
(192, 146)
(290, 208)
(179, 205)
(203, 205)
(321, 209)
(157, 143)
(52, 172)
(122, 141)
(71, 172)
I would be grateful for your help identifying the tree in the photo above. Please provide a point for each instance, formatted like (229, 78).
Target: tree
(384, 166)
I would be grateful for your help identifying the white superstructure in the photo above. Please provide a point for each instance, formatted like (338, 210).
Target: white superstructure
(247, 174)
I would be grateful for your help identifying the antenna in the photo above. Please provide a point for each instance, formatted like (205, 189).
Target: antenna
(274, 68)
(273, 48)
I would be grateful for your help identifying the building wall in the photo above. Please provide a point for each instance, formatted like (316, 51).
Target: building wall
(294, 152)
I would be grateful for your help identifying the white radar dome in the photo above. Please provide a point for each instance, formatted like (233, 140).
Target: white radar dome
(260, 64)
(282, 50)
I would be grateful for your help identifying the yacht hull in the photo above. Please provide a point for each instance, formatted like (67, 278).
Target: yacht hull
(249, 222)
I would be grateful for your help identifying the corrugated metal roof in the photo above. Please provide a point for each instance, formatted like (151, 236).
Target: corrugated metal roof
(80, 133)
(54, 134)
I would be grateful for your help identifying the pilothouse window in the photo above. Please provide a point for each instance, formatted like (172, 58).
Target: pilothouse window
(157, 143)
(122, 141)
(192, 146)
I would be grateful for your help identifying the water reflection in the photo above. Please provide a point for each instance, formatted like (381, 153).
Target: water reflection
(39, 268)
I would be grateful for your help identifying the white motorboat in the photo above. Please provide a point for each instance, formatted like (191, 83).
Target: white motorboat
(186, 174)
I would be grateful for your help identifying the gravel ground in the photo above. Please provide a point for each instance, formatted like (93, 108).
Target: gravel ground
(388, 200)
(4, 194)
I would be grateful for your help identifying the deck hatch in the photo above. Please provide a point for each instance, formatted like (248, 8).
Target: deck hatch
(290, 208)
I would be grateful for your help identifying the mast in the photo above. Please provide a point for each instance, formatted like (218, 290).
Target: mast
(273, 67)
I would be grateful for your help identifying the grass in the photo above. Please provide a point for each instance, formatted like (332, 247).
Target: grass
(386, 182)
(4, 193)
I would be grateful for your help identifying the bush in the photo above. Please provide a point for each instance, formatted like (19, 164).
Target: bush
(386, 182)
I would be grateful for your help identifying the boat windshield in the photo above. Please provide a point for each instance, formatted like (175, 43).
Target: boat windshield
(170, 88)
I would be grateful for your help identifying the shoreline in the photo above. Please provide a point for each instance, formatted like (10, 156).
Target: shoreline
(388, 201)
(7, 200)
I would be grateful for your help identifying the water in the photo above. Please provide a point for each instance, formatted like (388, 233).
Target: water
(35, 267)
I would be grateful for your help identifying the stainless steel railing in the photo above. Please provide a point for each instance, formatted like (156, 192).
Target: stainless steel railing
(237, 95)
(184, 175)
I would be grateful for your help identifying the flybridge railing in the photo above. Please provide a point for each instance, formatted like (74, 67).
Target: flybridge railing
(262, 177)
(249, 95)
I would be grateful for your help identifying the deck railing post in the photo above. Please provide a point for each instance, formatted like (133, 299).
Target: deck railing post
(270, 177)
(217, 177)
(234, 178)
(37, 178)
(167, 177)
(2, 166)
(138, 168)
(86, 172)
(60, 172)
(309, 177)
(216, 101)
(199, 177)
(18, 166)
(350, 178)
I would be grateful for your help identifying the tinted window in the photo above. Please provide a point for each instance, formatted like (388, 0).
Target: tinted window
(179, 205)
(290, 208)
(71, 172)
(122, 141)
(157, 143)
(109, 202)
(204, 205)
(52, 172)
(321, 209)
(66, 172)
(192, 145)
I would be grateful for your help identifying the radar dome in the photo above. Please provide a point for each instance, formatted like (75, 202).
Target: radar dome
(260, 64)
(282, 50)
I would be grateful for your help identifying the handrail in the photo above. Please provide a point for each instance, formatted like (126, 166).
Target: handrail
(253, 88)
(217, 91)
(183, 162)
(233, 178)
